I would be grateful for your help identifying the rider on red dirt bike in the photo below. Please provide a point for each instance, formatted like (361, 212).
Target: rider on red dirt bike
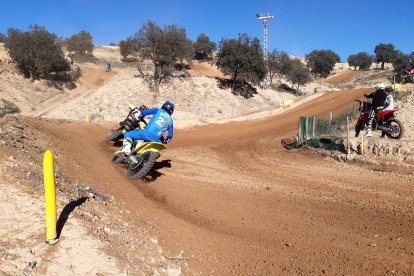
(379, 102)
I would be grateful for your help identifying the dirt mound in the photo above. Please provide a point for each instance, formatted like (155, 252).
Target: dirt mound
(205, 69)
(94, 77)
(198, 100)
(343, 77)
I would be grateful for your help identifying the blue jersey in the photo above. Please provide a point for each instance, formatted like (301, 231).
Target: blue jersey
(160, 122)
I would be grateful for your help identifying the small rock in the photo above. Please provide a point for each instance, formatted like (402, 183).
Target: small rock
(10, 257)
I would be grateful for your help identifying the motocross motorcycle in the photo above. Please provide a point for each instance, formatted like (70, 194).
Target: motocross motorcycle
(141, 159)
(385, 120)
(132, 122)
(409, 73)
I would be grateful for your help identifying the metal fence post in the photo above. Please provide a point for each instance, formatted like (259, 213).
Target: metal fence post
(348, 148)
(314, 127)
(306, 130)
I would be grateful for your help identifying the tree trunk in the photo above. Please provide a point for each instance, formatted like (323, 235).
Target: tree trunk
(157, 78)
(382, 65)
(32, 75)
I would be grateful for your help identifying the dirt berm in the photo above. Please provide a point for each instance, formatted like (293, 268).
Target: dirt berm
(227, 199)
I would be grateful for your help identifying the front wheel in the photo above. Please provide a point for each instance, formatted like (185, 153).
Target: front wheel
(139, 172)
(397, 129)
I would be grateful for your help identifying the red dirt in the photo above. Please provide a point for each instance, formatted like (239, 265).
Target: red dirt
(231, 200)
(205, 69)
(94, 77)
(234, 202)
(342, 77)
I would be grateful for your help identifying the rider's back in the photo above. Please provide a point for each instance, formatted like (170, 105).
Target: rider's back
(159, 123)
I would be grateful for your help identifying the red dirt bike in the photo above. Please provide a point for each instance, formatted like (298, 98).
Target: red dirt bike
(385, 120)
(408, 74)
(131, 122)
(409, 70)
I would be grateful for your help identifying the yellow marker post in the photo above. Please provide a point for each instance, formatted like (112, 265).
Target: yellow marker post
(362, 144)
(50, 198)
(87, 115)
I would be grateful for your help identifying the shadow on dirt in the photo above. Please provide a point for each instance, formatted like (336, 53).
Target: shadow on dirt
(238, 88)
(66, 212)
(154, 173)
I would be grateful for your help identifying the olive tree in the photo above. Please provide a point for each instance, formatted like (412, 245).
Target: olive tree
(362, 60)
(242, 58)
(36, 51)
(279, 63)
(298, 74)
(3, 38)
(204, 47)
(80, 43)
(384, 53)
(127, 47)
(322, 62)
(164, 47)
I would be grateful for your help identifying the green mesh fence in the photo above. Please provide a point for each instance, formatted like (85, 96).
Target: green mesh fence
(8, 108)
(332, 125)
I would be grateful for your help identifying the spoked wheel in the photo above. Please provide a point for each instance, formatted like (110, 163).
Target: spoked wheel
(140, 165)
(397, 129)
(113, 135)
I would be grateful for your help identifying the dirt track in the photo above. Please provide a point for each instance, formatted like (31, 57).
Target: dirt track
(229, 199)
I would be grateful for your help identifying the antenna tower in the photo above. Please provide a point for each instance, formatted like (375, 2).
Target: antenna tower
(265, 18)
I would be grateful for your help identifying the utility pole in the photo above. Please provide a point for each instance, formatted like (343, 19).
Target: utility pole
(265, 18)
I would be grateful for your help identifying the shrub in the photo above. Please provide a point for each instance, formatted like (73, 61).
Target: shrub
(322, 62)
(362, 60)
(203, 47)
(163, 47)
(3, 38)
(242, 58)
(37, 52)
(384, 53)
(80, 43)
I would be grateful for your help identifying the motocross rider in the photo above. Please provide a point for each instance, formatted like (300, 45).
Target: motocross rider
(134, 116)
(379, 98)
(160, 122)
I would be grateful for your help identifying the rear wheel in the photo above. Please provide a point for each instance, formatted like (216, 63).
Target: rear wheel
(397, 129)
(139, 172)
(113, 135)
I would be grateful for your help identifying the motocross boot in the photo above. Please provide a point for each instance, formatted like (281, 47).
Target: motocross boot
(369, 133)
(126, 147)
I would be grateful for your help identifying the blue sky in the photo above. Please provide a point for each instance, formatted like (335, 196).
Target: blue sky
(298, 27)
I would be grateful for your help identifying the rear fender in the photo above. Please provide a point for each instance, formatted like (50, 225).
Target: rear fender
(387, 115)
(116, 127)
(150, 146)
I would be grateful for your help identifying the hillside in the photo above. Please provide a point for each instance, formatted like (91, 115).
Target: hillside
(105, 96)
(199, 97)
(223, 199)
